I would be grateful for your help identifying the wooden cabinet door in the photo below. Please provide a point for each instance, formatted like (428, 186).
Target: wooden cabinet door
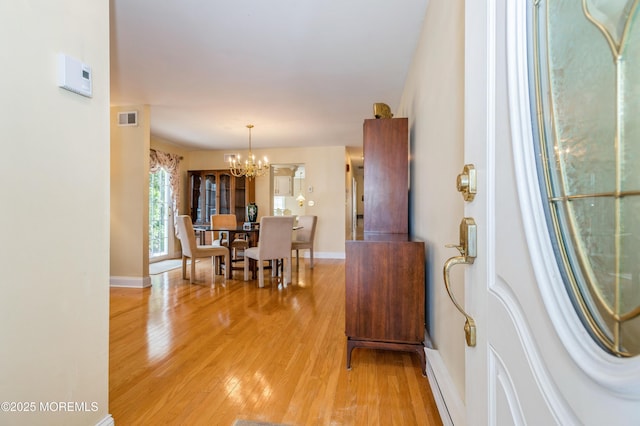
(386, 175)
(385, 291)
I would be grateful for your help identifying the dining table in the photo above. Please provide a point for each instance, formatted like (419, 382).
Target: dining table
(252, 232)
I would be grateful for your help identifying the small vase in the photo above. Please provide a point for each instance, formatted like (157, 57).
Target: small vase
(252, 212)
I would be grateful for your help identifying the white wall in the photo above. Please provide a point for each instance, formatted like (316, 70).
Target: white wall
(54, 308)
(129, 249)
(433, 100)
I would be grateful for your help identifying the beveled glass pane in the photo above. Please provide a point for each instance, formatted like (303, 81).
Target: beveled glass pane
(582, 78)
(594, 226)
(631, 111)
(630, 254)
(611, 14)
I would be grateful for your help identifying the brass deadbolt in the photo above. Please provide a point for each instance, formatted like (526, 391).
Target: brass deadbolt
(467, 182)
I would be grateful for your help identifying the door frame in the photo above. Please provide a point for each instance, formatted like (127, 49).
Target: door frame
(479, 147)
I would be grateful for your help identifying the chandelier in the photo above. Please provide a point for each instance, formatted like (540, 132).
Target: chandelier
(249, 169)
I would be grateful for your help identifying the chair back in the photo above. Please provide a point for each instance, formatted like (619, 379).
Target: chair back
(307, 233)
(223, 221)
(275, 237)
(187, 235)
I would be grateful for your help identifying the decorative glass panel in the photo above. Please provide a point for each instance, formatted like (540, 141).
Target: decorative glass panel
(585, 59)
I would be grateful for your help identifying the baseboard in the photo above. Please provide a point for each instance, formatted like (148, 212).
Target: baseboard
(448, 401)
(107, 421)
(130, 282)
(325, 255)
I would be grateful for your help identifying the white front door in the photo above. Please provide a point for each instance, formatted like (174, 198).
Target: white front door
(533, 362)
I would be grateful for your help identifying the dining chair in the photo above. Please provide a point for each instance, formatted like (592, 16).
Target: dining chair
(304, 237)
(193, 251)
(229, 221)
(274, 243)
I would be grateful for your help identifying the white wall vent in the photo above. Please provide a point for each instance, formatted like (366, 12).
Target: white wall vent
(229, 158)
(129, 118)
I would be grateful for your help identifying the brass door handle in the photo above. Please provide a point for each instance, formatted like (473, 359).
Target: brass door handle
(467, 249)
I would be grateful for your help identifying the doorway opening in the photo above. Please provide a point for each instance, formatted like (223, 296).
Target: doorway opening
(159, 190)
(288, 189)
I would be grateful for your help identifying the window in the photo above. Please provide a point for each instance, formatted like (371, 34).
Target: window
(159, 213)
(584, 56)
(279, 203)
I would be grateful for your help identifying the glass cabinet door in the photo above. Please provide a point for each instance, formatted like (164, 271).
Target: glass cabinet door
(195, 181)
(210, 197)
(225, 194)
(240, 199)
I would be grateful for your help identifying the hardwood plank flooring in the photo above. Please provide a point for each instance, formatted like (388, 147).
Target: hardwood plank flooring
(220, 350)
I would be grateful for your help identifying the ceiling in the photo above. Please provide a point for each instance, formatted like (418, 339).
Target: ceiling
(304, 72)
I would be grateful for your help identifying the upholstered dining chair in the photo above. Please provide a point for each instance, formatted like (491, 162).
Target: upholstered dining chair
(304, 237)
(193, 251)
(229, 221)
(274, 244)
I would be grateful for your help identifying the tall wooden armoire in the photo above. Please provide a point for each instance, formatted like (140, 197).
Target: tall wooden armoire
(385, 269)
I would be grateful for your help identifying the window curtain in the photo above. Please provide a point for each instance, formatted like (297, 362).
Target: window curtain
(169, 162)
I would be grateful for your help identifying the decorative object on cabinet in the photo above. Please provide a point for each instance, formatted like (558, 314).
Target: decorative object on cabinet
(385, 267)
(250, 169)
(252, 212)
(381, 110)
(218, 192)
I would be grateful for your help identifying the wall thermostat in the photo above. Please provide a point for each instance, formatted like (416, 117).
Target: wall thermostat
(74, 75)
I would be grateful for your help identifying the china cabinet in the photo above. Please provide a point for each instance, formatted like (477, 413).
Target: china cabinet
(218, 192)
(385, 268)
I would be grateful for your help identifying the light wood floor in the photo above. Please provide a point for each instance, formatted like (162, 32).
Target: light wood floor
(221, 350)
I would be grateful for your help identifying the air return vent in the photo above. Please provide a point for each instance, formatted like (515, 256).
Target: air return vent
(128, 118)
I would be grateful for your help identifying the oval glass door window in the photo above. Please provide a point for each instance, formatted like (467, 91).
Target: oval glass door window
(585, 63)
